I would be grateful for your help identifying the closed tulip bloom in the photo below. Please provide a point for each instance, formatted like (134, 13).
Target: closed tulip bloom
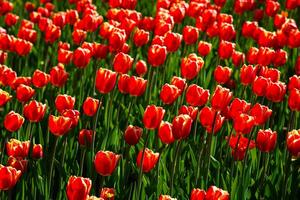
(73, 115)
(293, 142)
(157, 55)
(182, 125)
(280, 57)
(190, 66)
(149, 161)
(9, 176)
(153, 115)
(276, 91)
(78, 188)
(11, 19)
(105, 162)
(197, 194)
(179, 82)
(60, 125)
(7, 75)
(272, 73)
(204, 48)
(64, 102)
(165, 132)
(243, 123)
(13, 121)
(107, 194)
(105, 80)
(190, 34)
(165, 197)
(294, 82)
(140, 37)
(133, 134)
(17, 163)
(238, 58)
(260, 85)
(122, 63)
(123, 83)
(141, 68)
(37, 151)
(260, 113)
(100, 50)
(294, 100)
(52, 33)
(221, 98)
(81, 57)
(189, 110)
(40, 79)
(172, 41)
(207, 117)
(58, 75)
(272, 7)
(34, 111)
(136, 86)
(265, 56)
(85, 137)
(238, 107)
(225, 49)
(252, 55)
(22, 47)
(65, 56)
(196, 95)
(222, 74)
(239, 146)
(4, 97)
(226, 31)
(78, 36)
(17, 148)
(266, 140)
(90, 106)
(117, 39)
(169, 93)
(24, 93)
(214, 193)
(21, 80)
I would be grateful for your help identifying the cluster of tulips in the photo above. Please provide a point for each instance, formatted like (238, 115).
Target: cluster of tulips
(131, 99)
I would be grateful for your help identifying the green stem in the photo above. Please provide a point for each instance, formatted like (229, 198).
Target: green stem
(174, 165)
(51, 165)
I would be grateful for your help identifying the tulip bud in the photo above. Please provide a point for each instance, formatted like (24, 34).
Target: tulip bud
(169, 93)
(105, 80)
(293, 142)
(196, 95)
(8, 177)
(266, 140)
(34, 111)
(133, 134)
(149, 161)
(165, 133)
(182, 125)
(90, 106)
(153, 116)
(13, 121)
(78, 188)
(105, 162)
(64, 102)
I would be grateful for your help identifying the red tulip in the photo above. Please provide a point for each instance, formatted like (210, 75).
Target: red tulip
(34, 111)
(81, 57)
(72, 17)
(190, 66)
(260, 113)
(238, 107)
(189, 110)
(85, 137)
(11, 19)
(204, 48)
(149, 161)
(226, 31)
(272, 7)
(13, 121)
(190, 34)
(280, 57)
(221, 98)
(260, 86)
(197, 194)
(214, 193)
(122, 63)
(140, 37)
(153, 115)
(58, 75)
(276, 91)
(64, 102)
(196, 95)
(100, 50)
(20, 80)
(252, 55)
(225, 49)
(133, 134)
(116, 39)
(37, 151)
(22, 47)
(165, 133)
(266, 140)
(17, 148)
(294, 100)
(222, 74)
(40, 79)
(272, 73)
(238, 58)
(52, 33)
(293, 142)
(4, 97)
(78, 188)
(239, 146)
(182, 125)
(107, 194)
(141, 68)
(78, 36)
(243, 123)
(136, 86)
(9, 176)
(171, 40)
(165, 197)
(105, 162)
(7, 75)
(157, 55)
(24, 93)
(17, 163)
(105, 80)
(265, 56)
(179, 82)
(294, 82)
(208, 117)
(90, 106)
(73, 115)
(60, 125)
(249, 28)
(169, 93)
(123, 83)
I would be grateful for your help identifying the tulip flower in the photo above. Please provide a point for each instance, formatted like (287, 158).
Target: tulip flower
(78, 36)
(58, 75)
(197, 194)
(292, 142)
(37, 151)
(78, 188)
(17, 148)
(239, 146)
(189, 110)
(90, 106)
(9, 176)
(276, 91)
(190, 66)
(140, 37)
(136, 86)
(238, 107)
(204, 48)
(132, 134)
(222, 74)
(81, 57)
(238, 58)
(13, 121)
(40, 79)
(213, 193)
(21, 80)
(196, 95)
(17, 163)
(260, 85)
(181, 126)
(60, 125)
(64, 102)
(141, 68)
(172, 41)
(7, 75)
(107, 193)
(260, 113)
(266, 140)
(294, 99)
(85, 137)
(165, 133)
(166, 197)
(4, 97)
(179, 82)
(105, 162)
(271, 73)
(24, 93)
(243, 123)
(73, 115)
(34, 111)
(157, 55)
(105, 80)
(221, 98)
(190, 35)
(153, 115)
(169, 93)
(225, 49)
(211, 120)
(11, 19)
(122, 63)
(149, 161)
